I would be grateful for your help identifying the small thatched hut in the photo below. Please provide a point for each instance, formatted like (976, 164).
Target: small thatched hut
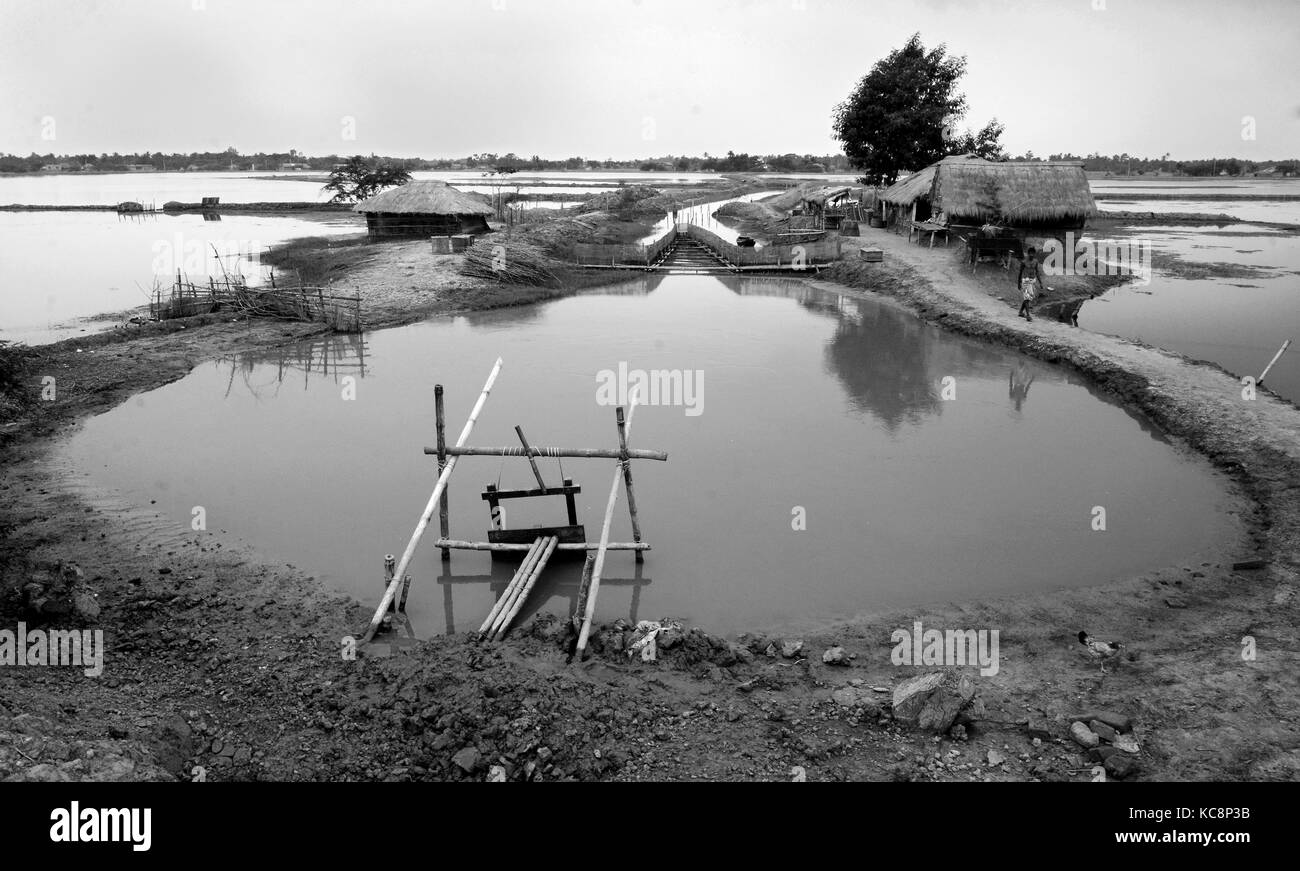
(908, 198)
(424, 208)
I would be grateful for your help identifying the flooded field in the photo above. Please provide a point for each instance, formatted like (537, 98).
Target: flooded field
(1238, 320)
(60, 267)
(807, 403)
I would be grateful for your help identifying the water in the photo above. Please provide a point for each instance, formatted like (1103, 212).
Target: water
(1238, 322)
(75, 188)
(810, 401)
(59, 267)
(701, 215)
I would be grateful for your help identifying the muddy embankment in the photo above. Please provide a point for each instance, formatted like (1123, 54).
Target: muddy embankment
(223, 667)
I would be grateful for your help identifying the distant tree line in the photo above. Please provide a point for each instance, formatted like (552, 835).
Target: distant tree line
(488, 162)
(984, 141)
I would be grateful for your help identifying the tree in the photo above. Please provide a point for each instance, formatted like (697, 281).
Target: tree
(896, 117)
(360, 179)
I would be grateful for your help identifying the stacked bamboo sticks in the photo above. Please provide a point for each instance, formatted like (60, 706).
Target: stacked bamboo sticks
(512, 600)
(516, 262)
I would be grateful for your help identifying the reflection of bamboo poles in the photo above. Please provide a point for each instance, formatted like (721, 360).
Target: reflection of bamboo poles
(599, 563)
(427, 515)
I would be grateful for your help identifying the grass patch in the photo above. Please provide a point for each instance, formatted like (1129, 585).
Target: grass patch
(314, 260)
(15, 393)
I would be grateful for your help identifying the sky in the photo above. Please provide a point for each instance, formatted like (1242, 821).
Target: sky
(633, 78)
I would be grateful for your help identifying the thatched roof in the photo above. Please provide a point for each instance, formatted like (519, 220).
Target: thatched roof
(424, 198)
(916, 186)
(970, 189)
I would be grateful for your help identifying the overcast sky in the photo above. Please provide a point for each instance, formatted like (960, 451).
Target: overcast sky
(629, 78)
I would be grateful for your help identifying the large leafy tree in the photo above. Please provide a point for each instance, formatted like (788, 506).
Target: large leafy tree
(899, 117)
(360, 179)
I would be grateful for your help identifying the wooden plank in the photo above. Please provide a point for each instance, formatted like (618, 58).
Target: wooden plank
(568, 489)
(566, 534)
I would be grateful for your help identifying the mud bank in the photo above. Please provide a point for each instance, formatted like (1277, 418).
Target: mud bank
(219, 665)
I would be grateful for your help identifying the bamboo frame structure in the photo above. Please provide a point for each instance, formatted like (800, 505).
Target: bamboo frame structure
(537, 553)
(438, 489)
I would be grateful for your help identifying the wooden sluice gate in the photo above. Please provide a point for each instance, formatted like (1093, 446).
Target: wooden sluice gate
(536, 547)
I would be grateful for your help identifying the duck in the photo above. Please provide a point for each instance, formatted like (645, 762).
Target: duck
(1100, 650)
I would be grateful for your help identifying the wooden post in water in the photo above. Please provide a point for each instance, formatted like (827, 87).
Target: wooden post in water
(599, 564)
(444, 513)
(432, 505)
(627, 480)
(388, 571)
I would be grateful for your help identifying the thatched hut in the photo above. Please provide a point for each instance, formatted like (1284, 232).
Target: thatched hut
(908, 198)
(1027, 197)
(424, 208)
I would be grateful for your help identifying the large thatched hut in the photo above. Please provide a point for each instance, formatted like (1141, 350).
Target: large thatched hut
(1028, 199)
(1051, 196)
(424, 208)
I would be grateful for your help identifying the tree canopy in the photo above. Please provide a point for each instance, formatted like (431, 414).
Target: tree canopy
(900, 115)
(360, 179)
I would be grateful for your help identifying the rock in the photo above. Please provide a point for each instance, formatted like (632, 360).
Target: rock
(496, 774)
(1103, 731)
(1175, 601)
(996, 758)
(1038, 729)
(1101, 753)
(1120, 765)
(798, 774)
(933, 701)
(85, 606)
(958, 732)
(1116, 721)
(1083, 736)
(1127, 743)
(466, 759)
(791, 649)
(836, 656)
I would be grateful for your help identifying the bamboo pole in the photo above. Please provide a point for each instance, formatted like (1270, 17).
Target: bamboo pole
(1276, 357)
(528, 452)
(585, 453)
(584, 586)
(457, 544)
(444, 513)
(534, 550)
(627, 481)
(431, 506)
(513, 607)
(599, 564)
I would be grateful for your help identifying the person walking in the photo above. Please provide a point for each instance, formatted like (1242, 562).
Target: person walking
(1030, 282)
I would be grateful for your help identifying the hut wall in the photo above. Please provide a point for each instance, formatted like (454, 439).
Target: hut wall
(390, 224)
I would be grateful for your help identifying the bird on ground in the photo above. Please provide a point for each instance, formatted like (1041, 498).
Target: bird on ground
(1100, 650)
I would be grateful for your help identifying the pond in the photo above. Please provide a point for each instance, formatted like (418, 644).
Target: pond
(815, 472)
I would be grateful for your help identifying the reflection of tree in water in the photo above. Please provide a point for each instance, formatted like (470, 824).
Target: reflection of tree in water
(332, 356)
(885, 360)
